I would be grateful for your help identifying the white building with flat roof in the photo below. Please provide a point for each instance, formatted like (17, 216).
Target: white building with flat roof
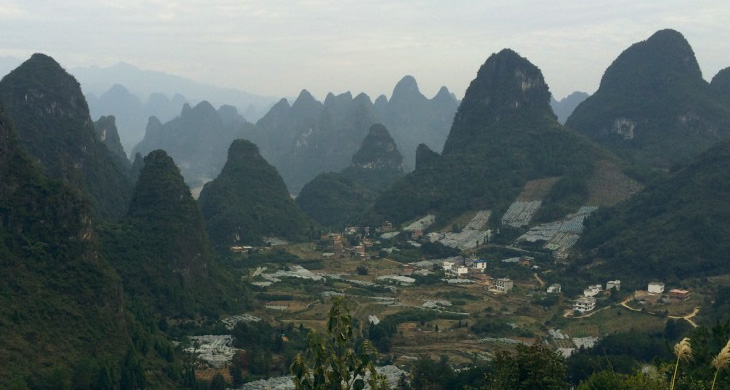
(584, 304)
(613, 283)
(554, 289)
(504, 284)
(655, 288)
(593, 290)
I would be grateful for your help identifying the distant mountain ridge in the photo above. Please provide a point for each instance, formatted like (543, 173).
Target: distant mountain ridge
(97, 80)
(197, 139)
(132, 115)
(653, 106)
(565, 106)
(414, 119)
(310, 137)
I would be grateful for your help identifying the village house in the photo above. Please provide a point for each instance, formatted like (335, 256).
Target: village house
(584, 304)
(554, 289)
(407, 270)
(504, 284)
(679, 295)
(387, 226)
(592, 291)
(561, 254)
(480, 264)
(417, 234)
(655, 288)
(466, 262)
(613, 284)
(448, 266)
(359, 250)
(335, 240)
(461, 271)
(433, 237)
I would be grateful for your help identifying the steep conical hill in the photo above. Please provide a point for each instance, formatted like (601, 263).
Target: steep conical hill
(721, 82)
(424, 155)
(653, 106)
(335, 200)
(504, 134)
(106, 132)
(508, 89)
(249, 201)
(161, 248)
(52, 120)
(338, 199)
(673, 230)
(378, 151)
(378, 163)
(61, 304)
(162, 205)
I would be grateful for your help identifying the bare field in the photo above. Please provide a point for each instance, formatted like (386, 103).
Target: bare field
(536, 189)
(609, 185)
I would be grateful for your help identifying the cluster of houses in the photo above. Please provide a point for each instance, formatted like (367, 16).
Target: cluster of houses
(468, 269)
(654, 293)
(587, 302)
(477, 270)
(464, 267)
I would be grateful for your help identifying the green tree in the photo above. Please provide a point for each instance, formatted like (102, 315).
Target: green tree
(132, 374)
(535, 367)
(610, 380)
(218, 383)
(332, 362)
(236, 369)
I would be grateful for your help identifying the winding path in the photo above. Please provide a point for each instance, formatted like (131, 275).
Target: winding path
(542, 282)
(687, 317)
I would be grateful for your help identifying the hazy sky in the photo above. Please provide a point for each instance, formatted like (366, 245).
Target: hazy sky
(277, 47)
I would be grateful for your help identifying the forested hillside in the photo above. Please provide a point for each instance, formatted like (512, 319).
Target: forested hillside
(504, 134)
(340, 199)
(671, 230)
(52, 120)
(653, 106)
(249, 201)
